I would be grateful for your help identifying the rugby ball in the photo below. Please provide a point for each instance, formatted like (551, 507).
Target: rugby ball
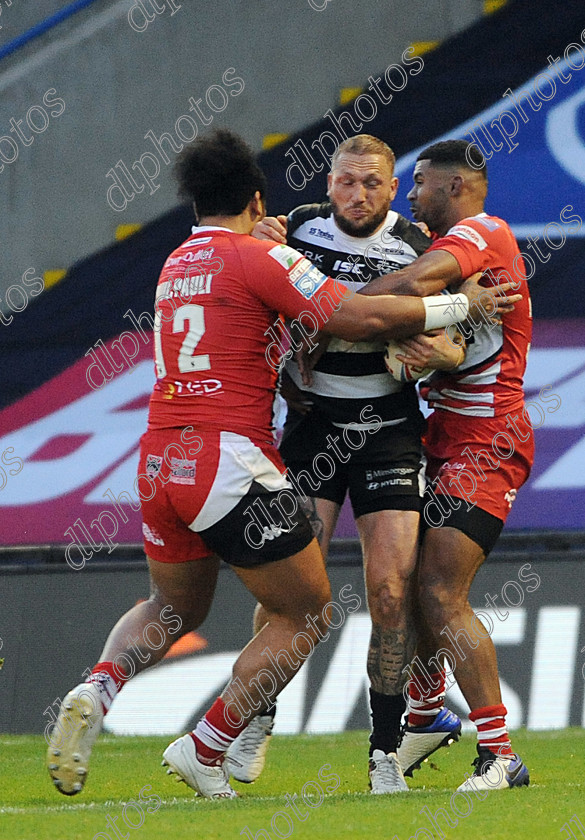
(400, 371)
(410, 373)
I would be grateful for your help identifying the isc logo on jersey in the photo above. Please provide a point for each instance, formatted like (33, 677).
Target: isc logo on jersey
(469, 233)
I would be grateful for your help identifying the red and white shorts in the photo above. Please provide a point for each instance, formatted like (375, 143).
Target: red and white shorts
(481, 460)
(216, 493)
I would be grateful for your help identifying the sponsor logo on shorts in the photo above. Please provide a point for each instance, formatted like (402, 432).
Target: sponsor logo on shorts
(470, 234)
(153, 465)
(285, 255)
(308, 282)
(272, 533)
(456, 466)
(390, 482)
(182, 471)
(394, 471)
(152, 535)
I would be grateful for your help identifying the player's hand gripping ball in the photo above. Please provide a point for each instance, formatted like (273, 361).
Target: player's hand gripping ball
(446, 356)
(400, 371)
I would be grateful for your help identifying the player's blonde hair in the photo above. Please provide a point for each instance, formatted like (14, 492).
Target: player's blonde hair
(364, 144)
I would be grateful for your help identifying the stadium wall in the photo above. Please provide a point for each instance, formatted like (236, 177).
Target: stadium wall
(55, 621)
(119, 76)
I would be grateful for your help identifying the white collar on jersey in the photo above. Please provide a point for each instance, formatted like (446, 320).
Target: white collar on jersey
(205, 228)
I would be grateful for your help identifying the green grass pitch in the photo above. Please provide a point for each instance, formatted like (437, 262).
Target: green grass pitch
(31, 809)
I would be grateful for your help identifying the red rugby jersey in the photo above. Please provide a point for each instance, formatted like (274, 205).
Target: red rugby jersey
(489, 382)
(217, 301)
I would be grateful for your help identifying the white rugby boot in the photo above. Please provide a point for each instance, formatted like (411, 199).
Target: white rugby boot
(210, 781)
(419, 742)
(247, 754)
(496, 772)
(385, 773)
(79, 723)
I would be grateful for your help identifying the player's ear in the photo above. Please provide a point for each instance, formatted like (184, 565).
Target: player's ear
(394, 188)
(257, 207)
(329, 181)
(457, 184)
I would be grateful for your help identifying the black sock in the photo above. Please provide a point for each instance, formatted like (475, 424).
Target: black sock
(387, 711)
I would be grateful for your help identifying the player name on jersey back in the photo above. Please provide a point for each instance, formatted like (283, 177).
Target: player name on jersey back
(218, 297)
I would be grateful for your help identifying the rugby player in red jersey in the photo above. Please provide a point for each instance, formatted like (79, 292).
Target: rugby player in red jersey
(479, 447)
(209, 469)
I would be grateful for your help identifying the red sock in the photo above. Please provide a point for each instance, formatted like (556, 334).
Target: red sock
(214, 734)
(108, 679)
(425, 700)
(114, 671)
(491, 729)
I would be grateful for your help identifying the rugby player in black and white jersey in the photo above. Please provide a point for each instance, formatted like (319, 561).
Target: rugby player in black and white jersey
(357, 430)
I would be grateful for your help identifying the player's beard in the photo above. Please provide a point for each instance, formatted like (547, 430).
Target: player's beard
(351, 228)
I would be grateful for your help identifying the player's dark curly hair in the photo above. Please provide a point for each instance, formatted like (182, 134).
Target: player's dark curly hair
(458, 152)
(219, 174)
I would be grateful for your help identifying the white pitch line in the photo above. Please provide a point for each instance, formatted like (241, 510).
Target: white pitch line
(110, 804)
(78, 806)
(102, 806)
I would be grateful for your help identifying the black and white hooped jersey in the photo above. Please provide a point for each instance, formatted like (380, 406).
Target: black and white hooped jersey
(352, 375)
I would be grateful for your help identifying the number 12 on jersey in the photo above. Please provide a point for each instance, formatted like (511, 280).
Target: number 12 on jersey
(193, 315)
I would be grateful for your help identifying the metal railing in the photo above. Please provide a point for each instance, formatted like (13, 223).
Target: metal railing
(44, 26)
